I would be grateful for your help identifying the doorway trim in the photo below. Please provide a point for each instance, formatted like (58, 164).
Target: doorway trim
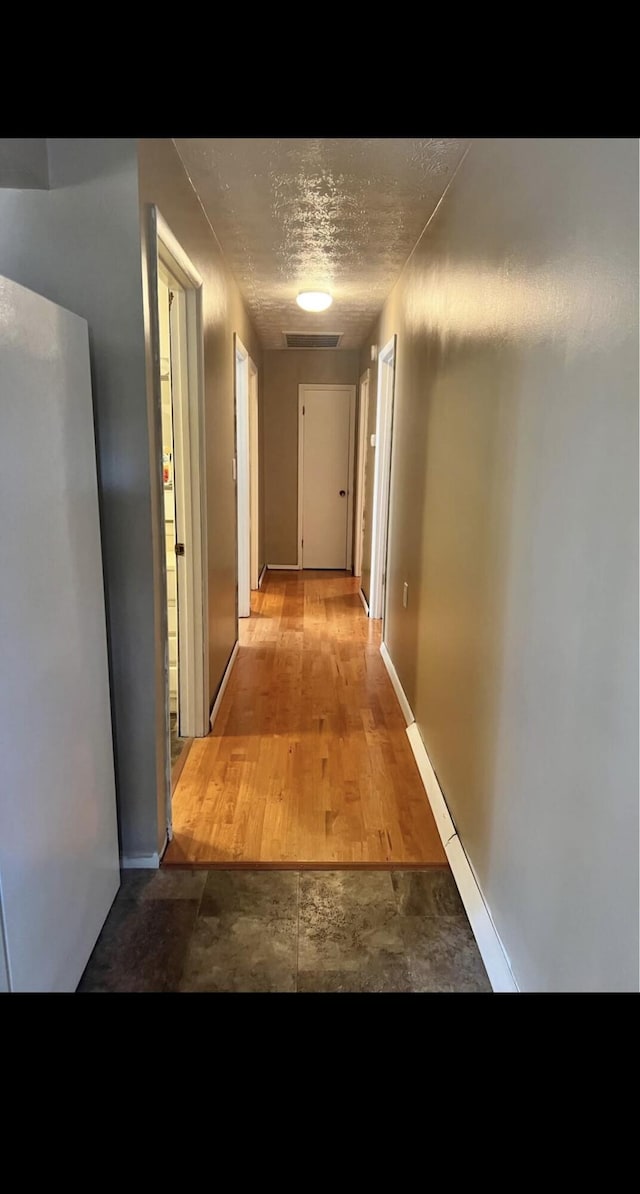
(382, 478)
(164, 247)
(254, 474)
(188, 406)
(363, 419)
(242, 476)
(303, 389)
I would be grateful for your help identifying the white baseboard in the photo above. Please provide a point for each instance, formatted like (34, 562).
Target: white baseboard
(283, 567)
(364, 601)
(491, 948)
(398, 689)
(442, 816)
(262, 576)
(144, 862)
(223, 685)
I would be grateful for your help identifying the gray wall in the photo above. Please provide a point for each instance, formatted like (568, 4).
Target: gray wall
(79, 244)
(23, 162)
(515, 521)
(284, 371)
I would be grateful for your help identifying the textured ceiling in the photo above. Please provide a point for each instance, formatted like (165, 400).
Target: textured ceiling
(309, 214)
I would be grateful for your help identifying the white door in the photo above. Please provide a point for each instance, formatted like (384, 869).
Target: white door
(254, 468)
(243, 480)
(326, 475)
(361, 474)
(58, 839)
(169, 482)
(382, 479)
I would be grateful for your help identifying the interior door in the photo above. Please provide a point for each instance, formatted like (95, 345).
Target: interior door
(59, 867)
(243, 480)
(169, 482)
(326, 423)
(363, 419)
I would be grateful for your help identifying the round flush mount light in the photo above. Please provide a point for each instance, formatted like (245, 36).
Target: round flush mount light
(314, 300)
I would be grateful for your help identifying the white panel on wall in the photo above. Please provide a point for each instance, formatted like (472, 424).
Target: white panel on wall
(58, 846)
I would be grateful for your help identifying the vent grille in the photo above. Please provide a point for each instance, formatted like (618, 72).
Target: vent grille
(309, 340)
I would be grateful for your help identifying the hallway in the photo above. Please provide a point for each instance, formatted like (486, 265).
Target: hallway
(308, 763)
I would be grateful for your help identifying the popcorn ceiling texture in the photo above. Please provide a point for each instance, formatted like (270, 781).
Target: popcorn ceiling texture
(318, 214)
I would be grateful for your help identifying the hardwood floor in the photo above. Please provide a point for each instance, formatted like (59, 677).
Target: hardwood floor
(309, 762)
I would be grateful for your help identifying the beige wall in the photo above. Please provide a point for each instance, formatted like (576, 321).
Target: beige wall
(284, 371)
(514, 520)
(164, 182)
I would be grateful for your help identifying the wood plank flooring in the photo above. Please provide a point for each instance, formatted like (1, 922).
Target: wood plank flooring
(309, 763)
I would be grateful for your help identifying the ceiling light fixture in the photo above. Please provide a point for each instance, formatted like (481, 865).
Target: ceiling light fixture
(314, 300)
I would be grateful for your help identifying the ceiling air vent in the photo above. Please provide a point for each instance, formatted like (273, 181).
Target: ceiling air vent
(307, 340)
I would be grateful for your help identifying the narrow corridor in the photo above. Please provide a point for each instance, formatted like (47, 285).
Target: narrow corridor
(308, 763)
(330, 874)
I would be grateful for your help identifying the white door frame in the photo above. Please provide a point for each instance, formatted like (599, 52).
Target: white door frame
(303, 389)
(172, 361)
(242, 472)
(189, 445)
(382, 478)
(254, 470)
(363, 417)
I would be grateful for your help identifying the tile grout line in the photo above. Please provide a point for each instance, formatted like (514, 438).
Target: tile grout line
(195, 922)
(202, 895)
(297, 930)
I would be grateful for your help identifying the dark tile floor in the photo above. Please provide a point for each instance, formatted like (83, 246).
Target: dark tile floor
(196, 930)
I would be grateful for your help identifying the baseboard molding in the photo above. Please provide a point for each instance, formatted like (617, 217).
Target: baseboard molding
(441, 814)
(364, 601)
(397, 687)
(283, 567)
(262, 575)
(488, 940)
(144, 862)
(223, 685)
(491, 948)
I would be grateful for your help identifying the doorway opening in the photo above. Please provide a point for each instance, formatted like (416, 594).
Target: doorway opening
(382, 479)
(326, 426)
(361, 473)
(173, 543)
(254, 467)
(183, 512)
(246, 475)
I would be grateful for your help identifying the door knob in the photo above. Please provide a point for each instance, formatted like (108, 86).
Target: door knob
(343, 493)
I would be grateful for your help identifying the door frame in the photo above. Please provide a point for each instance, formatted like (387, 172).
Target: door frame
(180, 455)
(165, 247)
(242, 477)
(382, 477)
(254, 473)
(363, 419)
(303, 389)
